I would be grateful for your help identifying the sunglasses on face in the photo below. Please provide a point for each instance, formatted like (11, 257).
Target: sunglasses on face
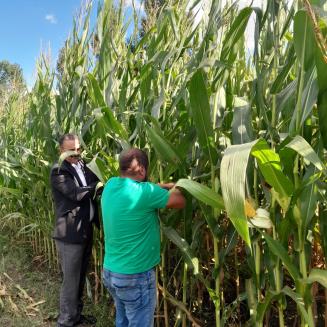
(75, 155)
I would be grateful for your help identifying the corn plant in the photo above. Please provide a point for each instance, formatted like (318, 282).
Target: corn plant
(242, 132)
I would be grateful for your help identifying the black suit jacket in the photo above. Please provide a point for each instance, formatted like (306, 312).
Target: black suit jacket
(72, 203)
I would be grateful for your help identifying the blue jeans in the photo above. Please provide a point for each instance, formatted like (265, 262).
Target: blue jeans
(134, 296)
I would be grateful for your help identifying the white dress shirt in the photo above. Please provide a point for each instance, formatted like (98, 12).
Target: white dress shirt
(81, 176)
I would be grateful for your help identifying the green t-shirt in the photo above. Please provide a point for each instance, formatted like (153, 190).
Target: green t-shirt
(131, 224)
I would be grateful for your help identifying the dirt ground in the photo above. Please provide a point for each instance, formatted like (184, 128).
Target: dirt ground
(29, 291)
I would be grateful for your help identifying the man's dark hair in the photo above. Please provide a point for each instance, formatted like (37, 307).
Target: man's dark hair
(65, 137)
(127, 156)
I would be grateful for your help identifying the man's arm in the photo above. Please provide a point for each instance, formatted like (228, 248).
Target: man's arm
(63, 181)
(167, 186)
(176, 199)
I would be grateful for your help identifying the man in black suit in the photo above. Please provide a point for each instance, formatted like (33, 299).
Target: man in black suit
(73, 187)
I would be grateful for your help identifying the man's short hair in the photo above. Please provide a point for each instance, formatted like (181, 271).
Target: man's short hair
(127, 156)
(65, 137)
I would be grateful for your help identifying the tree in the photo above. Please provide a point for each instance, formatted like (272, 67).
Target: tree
(11, 76)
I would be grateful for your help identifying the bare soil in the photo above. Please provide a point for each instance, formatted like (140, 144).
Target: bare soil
(29, 290)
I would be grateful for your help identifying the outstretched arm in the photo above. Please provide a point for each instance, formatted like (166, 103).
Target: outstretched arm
(176, 199)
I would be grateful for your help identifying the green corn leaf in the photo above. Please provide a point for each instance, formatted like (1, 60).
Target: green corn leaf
(231, 240)
(322, 113)
(277, 249)
(241, 124)
(104, 116)
(317, 275)
(308, 200)
(263, 306)
(234, 33)
(10, 190)
(172, 19)
(190, 258)
(144, 39)
(270, 167)
(211, 221)
(163, 148)
(156, 42)
(322, 96)
(110, 166)
(202, 193)
(302, 147)
(200, 109)
(93, 166)
(273, 295)
(300, 304)
(95, 92)
(304, 41)
(233, 177)
(145, 80)
(286, 99)
(278, 84)
(310, 95)
(309, 98)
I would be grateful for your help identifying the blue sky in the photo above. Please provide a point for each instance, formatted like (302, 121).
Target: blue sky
(27, 26)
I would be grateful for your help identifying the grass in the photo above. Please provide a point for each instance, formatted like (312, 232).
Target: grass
(29, 291)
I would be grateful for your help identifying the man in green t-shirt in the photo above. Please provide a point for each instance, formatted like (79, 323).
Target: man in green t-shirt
(132, 237)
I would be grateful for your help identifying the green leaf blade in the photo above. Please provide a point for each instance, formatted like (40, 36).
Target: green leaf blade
(200, 109)
(202, 193)
(232, 177)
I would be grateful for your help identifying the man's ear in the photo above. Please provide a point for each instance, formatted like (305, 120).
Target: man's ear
(142, 172)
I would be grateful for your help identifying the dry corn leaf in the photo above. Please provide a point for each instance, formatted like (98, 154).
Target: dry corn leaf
(33, 305)
(3, 291)
(13, 305)
(23, 293)
(5, 274)
(31, 314)
(32, 309)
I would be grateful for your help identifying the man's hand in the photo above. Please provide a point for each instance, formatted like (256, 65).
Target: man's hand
(98, 189)
(176, 199)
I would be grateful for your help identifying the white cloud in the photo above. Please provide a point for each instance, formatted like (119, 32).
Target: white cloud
(51, 18)
(137, 4)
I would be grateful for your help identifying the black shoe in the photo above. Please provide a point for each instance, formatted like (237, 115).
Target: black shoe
(86, 319)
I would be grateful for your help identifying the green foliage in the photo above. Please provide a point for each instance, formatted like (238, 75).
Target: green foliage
(11, 75)
(244, 136)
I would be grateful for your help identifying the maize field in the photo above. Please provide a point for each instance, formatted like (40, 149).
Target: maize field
(242, 130)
